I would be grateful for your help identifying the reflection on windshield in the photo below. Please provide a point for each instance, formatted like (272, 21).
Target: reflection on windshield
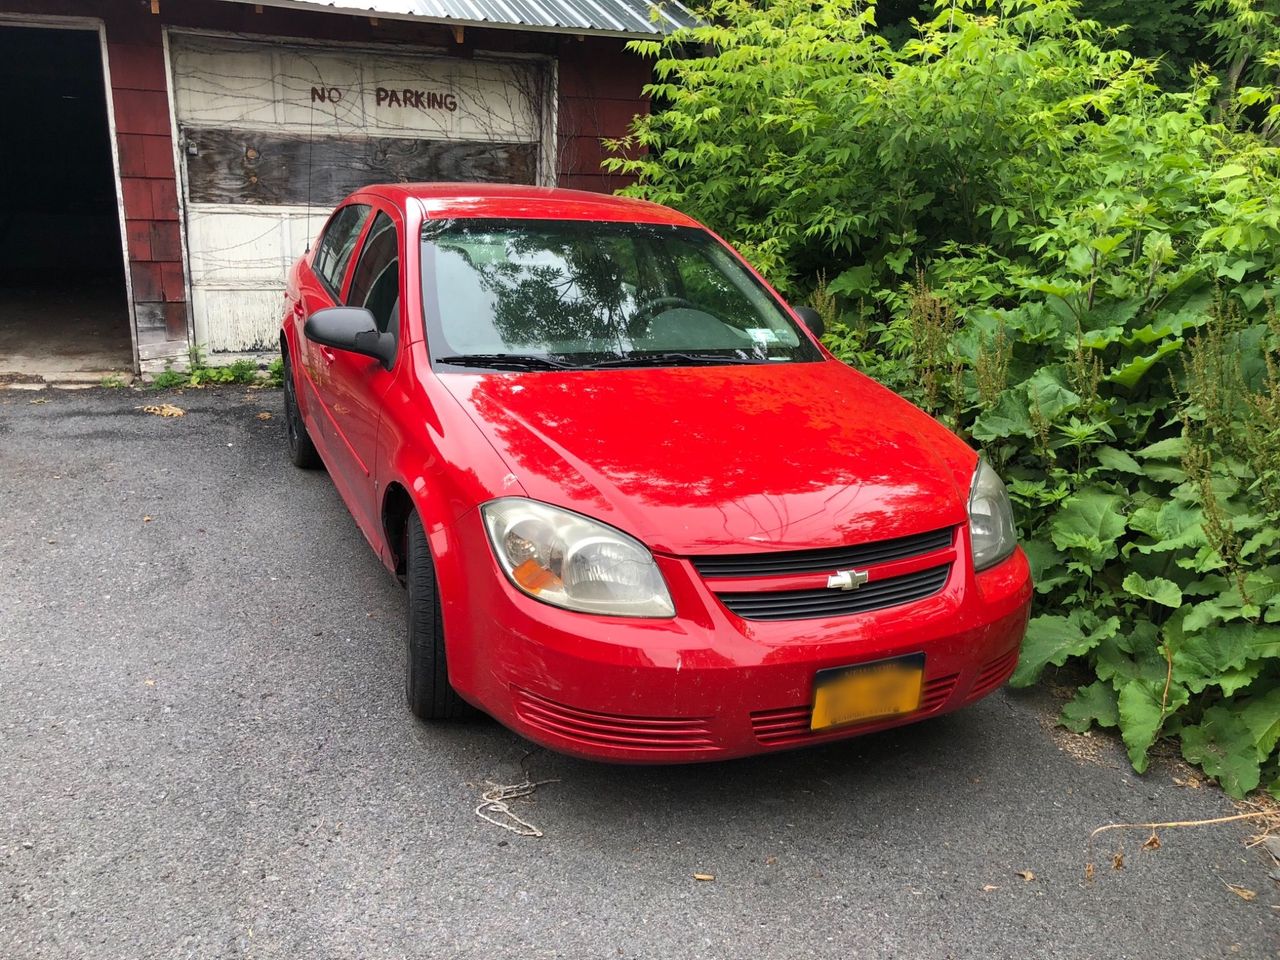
(499, 293)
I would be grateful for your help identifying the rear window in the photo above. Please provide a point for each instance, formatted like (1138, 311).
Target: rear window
(334, 249)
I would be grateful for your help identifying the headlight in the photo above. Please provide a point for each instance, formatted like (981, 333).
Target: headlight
(990, 519)
(571, 561)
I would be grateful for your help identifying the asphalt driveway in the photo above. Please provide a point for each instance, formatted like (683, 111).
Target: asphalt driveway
(205, 753)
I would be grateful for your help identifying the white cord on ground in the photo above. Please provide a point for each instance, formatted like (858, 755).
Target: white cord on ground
(494, 804)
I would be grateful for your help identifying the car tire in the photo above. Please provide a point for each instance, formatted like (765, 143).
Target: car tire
(426, 684)
(302, 451)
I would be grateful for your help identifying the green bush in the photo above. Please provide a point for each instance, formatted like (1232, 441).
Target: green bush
(1010, 223)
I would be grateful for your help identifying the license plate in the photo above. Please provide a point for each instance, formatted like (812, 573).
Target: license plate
(867, 691)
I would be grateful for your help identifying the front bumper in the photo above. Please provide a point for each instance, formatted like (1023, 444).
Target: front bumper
(705, 685)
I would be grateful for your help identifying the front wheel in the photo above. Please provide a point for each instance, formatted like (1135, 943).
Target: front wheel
(302, 451)
(426, 687)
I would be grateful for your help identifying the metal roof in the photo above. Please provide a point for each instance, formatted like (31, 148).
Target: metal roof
(622, 18)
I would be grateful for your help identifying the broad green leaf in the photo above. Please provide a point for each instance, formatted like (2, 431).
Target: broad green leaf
(1200, 659)
(1259, 541)
(1112, 313)
(1143, 711)
(1225, 747)
(1080, 260)
(1175, 448)
(1207, 586)
(1262, 640)
(1192, 314)
(1231, 682)
(1128, 374)
(1251, 294)
(1101, 338)
(1181, 524)
(1008, 417)
(1117, 460)
(1051, 639)
(1205, 613)
(1095, 703)
(1046, 392)
(1143, 519)
(854, 282)
(1261, 714)
(1090, 521)
(1132, 654)
(1032, 323)
(1164, 472)
(1157, 589)
(897, 260)
(1047, 570)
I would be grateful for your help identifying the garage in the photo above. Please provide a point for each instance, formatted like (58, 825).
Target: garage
(271, 136)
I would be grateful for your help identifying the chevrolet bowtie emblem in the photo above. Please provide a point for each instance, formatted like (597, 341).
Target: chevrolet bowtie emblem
(847, 579)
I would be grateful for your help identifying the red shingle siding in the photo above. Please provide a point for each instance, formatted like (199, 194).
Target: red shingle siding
(600, 92)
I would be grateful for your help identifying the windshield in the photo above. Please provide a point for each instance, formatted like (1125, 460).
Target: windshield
(556, 294)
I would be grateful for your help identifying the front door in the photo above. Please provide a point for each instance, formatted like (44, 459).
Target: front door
(358, 383)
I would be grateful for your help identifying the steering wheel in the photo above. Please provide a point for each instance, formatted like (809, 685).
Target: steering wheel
(651, 308)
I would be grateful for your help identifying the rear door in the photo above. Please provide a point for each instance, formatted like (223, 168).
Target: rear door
(321, 286)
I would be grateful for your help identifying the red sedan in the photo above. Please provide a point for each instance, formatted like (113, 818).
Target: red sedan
(641, 513)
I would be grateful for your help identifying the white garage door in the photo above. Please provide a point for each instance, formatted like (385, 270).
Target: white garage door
(273, 136)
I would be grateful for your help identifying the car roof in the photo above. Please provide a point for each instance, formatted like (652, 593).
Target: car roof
(440, 201)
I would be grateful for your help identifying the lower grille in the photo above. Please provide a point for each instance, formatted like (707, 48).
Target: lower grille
(791, 725)
(609, 730)
(993, 674)
(810, 604)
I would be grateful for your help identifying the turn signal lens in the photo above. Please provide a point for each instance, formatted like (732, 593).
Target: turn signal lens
(534, 577)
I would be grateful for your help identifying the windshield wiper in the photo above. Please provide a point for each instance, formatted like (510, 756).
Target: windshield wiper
(676, 358)
(508, 361)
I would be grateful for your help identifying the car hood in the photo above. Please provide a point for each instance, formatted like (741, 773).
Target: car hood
(724, 459)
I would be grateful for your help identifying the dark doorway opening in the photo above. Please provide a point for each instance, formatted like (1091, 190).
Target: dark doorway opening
(63, 306)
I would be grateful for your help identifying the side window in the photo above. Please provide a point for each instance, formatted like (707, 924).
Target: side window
(335, 246)
(376, 282)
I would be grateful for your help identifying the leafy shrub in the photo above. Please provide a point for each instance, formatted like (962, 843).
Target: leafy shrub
(1067, 264)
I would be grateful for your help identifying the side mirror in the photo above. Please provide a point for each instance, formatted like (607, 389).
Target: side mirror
(352, 329)
(811, 319)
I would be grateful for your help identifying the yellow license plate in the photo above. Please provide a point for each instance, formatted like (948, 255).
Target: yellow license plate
(867, 691)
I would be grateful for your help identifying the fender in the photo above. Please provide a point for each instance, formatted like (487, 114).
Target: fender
(420, 453)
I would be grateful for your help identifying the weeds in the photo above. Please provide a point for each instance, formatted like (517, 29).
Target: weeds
(200, 373)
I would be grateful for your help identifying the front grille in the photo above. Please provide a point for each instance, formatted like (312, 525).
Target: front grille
(791, 724)
(748, 565)
(610, 730)
(824, 602)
